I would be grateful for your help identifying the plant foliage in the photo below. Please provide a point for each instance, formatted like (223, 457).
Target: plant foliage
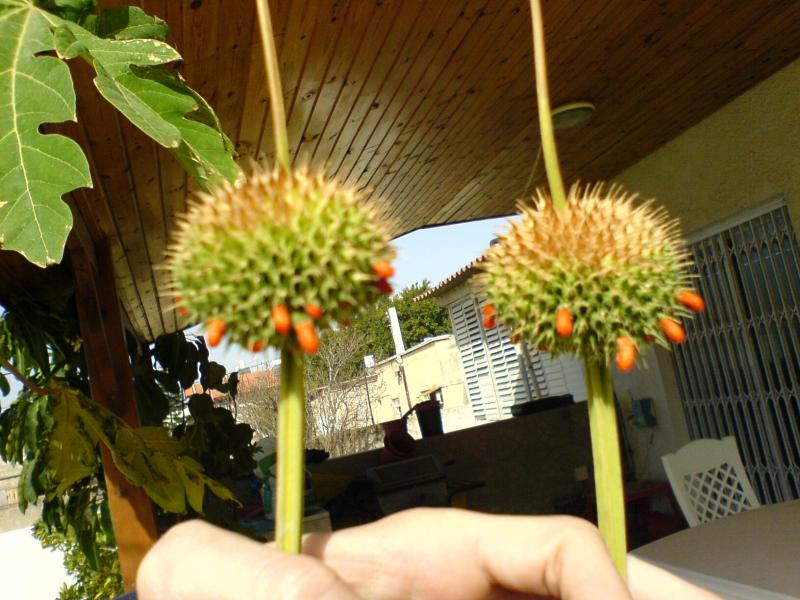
(92, 580)
(131, 60)
(56, 434)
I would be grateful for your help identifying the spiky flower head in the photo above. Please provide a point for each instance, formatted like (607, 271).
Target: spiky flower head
(578, 280)
(277, 255)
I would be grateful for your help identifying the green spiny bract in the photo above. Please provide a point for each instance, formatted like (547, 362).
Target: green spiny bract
(277, 239)
(616, 266)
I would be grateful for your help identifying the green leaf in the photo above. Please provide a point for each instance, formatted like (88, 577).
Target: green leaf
(168, 351)
(130, 22)
(36, 170)
(219, 490)
(167, 381)
(160, 440)
(212, 375)
(132, 77)
(82, 12)
(5, 388)
(165, 487)
(26, 490)
(195, 488)
(71, 455)
(188, 374)
(200, 405)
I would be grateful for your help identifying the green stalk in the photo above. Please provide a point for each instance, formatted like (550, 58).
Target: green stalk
(607, 466)
(291, 405)
(545, 115)
(276, 109)
(291, 452)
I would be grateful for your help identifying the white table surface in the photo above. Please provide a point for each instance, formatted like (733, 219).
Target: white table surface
(754, 554)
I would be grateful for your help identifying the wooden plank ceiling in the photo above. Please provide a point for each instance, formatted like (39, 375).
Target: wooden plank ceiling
(427, 104)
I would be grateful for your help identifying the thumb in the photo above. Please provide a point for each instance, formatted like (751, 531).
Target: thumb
(202, 562)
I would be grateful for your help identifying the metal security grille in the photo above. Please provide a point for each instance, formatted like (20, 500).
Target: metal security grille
(739, 371)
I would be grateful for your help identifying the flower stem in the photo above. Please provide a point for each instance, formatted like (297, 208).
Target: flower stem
(291, 452)
(276, 109)
(607, 465)
(545, 116)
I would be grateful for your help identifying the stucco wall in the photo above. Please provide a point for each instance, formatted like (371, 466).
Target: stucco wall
(740, 157)
(745, 154)
(428, 365)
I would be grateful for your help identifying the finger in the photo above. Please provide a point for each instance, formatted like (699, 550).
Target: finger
(648, 582)
(196, 561)
(448, 553)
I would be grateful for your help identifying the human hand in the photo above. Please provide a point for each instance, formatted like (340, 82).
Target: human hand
(420, 554)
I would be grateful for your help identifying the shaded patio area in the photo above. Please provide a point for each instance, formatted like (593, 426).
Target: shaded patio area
(431, 108)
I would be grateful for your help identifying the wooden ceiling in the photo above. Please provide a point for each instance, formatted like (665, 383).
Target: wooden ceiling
(428, 104)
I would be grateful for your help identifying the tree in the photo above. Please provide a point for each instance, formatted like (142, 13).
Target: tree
(256, 402)
(418, 320)
(338, 416)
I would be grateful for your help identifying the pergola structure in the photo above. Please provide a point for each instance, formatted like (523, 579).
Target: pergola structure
(426, 104)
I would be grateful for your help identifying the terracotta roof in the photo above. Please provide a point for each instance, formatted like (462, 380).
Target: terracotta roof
(452, 280)
(271, 378)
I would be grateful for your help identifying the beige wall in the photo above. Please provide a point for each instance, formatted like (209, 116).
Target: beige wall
(745, 154)
(429, 365)
(741, 157)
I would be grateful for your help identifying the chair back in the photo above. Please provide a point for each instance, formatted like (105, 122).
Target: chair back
(709, 480)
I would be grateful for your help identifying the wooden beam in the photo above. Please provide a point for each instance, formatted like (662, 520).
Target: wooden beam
(111, 381)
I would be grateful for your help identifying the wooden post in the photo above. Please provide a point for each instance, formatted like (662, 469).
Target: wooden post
(111, 382)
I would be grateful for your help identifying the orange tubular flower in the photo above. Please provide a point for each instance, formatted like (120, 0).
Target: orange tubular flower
(314, 311)
(691, 300)
(215, 331)
(281, 319)
(626, 353)
(672, 330)
(564, 322)
(307, 337)
(383, 269)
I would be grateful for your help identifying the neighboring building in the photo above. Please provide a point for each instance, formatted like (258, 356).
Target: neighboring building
(497, 373)
(432, 371)
(9, 478)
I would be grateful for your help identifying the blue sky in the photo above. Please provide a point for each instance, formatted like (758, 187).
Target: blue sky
(431, 254)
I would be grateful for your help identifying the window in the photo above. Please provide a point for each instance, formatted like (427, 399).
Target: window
(497, 375)
(398, 409)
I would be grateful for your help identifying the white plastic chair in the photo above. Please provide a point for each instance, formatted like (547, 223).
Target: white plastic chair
(709, 480)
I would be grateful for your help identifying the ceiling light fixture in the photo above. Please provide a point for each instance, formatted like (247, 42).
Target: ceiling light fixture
(572, 114)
